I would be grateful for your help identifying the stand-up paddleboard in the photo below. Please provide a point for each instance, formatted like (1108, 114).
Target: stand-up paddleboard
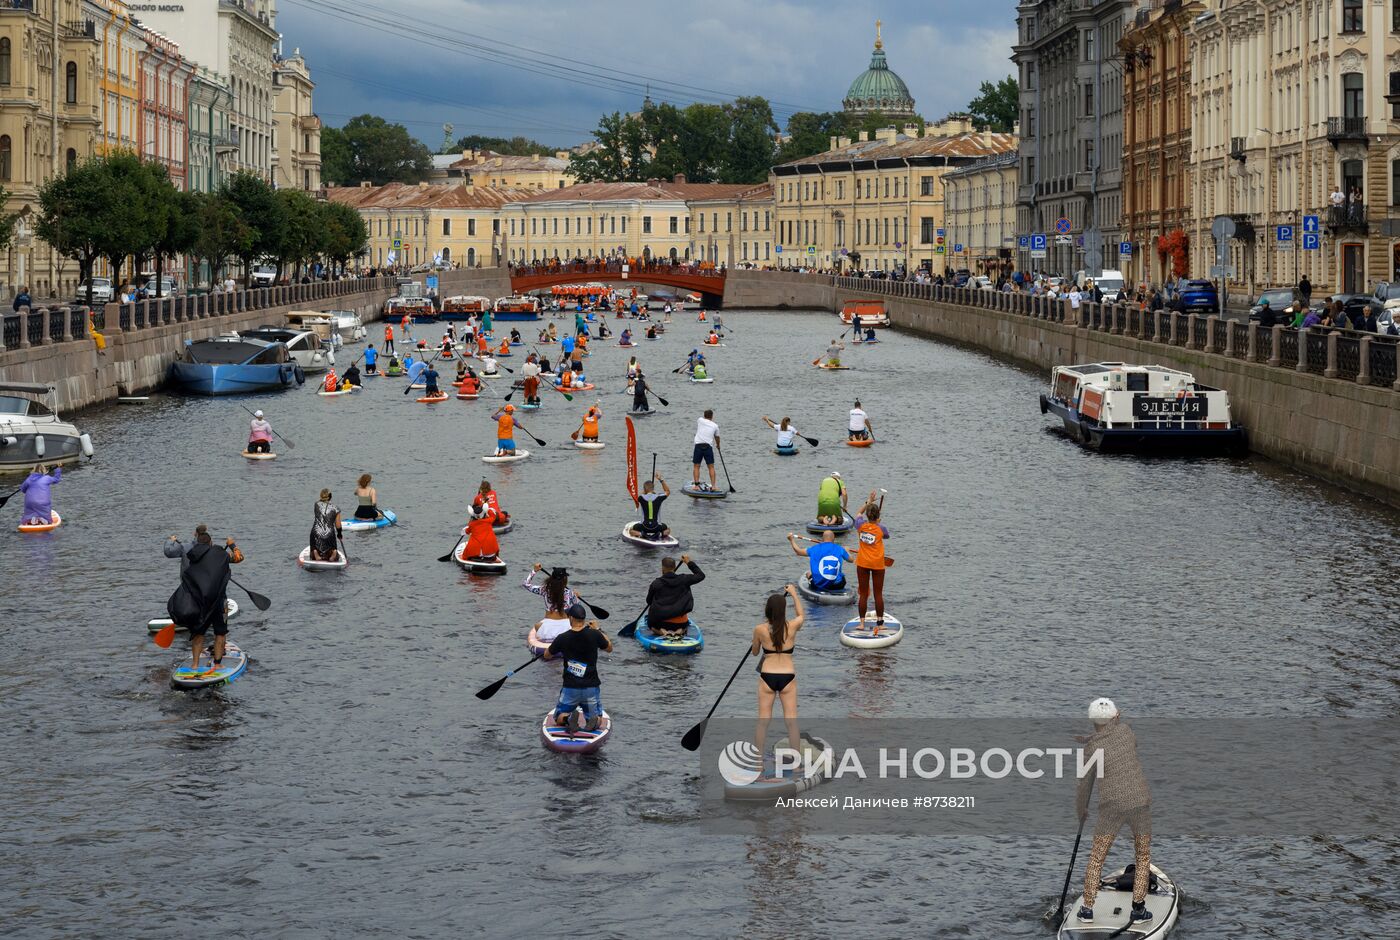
(769, 784)
(861, 634)
(1115, 901)
(822, 365)
(418, 385)
(846, 595)
(342, 391)
(785, 451)
(44, 527)
(536, 645)
(305, 560)
(664, 542)
(521, 343)
(257, 455)
(507, 458)
(625, 345)
(206, 675)
(463, 396)
(488, 375)
(132, 399)
(845, 525)
(387, 517)
(590, 445)
(560, 738)
(690, 489)
(501, 355)
(705, 381)
(476, 566)
(433, 399)
(572, 389)
(692, 641)
(643, 414)
(711, 345)
(865, 443)
(528, 406)
(501, 529)
(160, 623)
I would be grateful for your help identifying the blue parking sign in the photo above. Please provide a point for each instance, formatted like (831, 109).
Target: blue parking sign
(1023, 241)
(1284, 233)
(957, 249)
(1125, 249)
(1038, 242)
(1312, 241)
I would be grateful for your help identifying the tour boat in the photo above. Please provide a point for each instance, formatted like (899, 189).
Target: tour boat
(419, 308)
(30, 431)
(1112, 406)
(228, 366)
(518, 308)
(871, 312)
(464, 307)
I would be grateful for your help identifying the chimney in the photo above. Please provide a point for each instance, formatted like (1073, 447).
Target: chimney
(843, 142)
(679, 179)
(561, 154)
(534, 158)
(834, 144)
(653, 182)
(863, 137)
(366, 184)
(422, 186)
(886, 135)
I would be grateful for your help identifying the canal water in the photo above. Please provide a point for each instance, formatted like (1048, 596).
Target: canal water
(351, 781)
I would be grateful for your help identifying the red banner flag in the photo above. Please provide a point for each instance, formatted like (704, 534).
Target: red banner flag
(632, 461)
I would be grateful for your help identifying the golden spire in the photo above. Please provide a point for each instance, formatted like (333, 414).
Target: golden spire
(879, 43)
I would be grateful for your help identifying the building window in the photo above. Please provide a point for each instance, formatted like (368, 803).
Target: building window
(1088, 155)
(4, 61)
(1088, 100)
(1395, 90)
(1353, 102)
(687, 225)
(675, 225)
(926, 186)
(5, 157)
(646, 225)
(887, 187)
(624, 225)
(702, 221)
(71, 83)
(1395, 182)
(447, 226)
(729, 221)
(1353, 16)
(1088, 45)
(471, 227)
(926, 231)
(1395, 16)
(495, 226)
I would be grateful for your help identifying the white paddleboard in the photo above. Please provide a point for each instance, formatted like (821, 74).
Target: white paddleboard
(590, 445)
(160, 623)
(1112, 906)
(669, 541)
(863, 636)
(509, 458)
(252, 455)
(304, 559)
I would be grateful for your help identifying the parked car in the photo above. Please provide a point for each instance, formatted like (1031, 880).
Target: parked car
(982, 282)
(264, 275)
(1196, 296)
(1279, 298)
(101, 291)
(1109, 280)
(167, 287)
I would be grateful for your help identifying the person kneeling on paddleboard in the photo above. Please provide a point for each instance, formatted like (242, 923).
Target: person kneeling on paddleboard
(650, 501)
(1124, 798)
(669, 601)
(558, 596)
(198, 604)
(469, 384)
(579, 648)
(481, 539)
(351, 376)
(331, 384)
(825, 560)
(590, 424)
(833, 354)
(870, 334)
(325, 529)
(38, 503)
(367, 499)
(787, 434)
(515, 337)
(430, 379)
(859, 425)
(259, 434)
(485, 494)
(488, 365)
(505, 431)
(831, 500)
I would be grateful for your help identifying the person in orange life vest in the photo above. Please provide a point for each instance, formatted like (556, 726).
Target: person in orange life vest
(870, 559)
(589, 425)
(389, 339)
(483, 345)
(332, 383)
(487, 496)
(566, 378)
(469, 384)
(712, 339)
(481, 540)
(504, 349)
(505, 431)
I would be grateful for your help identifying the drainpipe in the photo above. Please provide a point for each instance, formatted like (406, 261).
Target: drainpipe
(53, 130)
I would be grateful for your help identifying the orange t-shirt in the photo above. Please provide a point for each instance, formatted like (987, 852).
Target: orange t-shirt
(872, 547)
(483, 344)
(505, 428)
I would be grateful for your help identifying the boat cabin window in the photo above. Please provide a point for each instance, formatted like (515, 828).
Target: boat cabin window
(1137, 381)
(14, 405)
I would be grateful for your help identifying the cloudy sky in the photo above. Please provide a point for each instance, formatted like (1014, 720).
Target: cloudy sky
(548, 69)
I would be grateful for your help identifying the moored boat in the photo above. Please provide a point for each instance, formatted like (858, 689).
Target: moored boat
(419, 309)
(228, 366)
(31, 432)
(517, 308)
(871, 312)
(305, 347)
(1116, 407)
(464, 307)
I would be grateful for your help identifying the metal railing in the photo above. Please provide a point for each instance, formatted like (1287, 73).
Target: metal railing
(1383, 355)
(1348, 356)
(1314, 350)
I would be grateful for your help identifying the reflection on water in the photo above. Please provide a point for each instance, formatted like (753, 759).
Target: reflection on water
(350, 782)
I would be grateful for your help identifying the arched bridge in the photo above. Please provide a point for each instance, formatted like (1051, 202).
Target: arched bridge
(687, 278)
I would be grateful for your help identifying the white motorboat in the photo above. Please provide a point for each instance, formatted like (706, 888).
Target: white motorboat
(31, 432)
(304, 347)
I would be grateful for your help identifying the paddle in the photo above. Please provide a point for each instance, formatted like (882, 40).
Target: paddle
(495, 687)
(531, 436)
(343, 553)
(695, 735)
(290, 445)
(1070, 874)
(726, 469)
(448, 556)
(630, 629)
(6, 499)
(810, 440)
(259, 601)
(681, 366)
(598, 612)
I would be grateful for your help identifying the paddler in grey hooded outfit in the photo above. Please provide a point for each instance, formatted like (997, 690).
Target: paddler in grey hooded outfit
(1124, 798)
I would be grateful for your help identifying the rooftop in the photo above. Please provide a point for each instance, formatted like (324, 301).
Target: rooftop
(890, 145)
(423, 196)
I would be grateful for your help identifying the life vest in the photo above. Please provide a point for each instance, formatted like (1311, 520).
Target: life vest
(331, 384)
(505, 347)
(388, 334)
(567, 379)
(590, 423)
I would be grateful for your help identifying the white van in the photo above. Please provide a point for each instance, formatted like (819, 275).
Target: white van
(1109, 281)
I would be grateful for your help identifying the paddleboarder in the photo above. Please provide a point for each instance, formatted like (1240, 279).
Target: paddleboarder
(831, 500)
(488, 364)
(824, 559)
(859, 424)
(773, 642)
(469, 384)
(351, 378)
(325, 529)
(669, 601)
(430, 380)
(371, 360)
(640, 404)
(485, 494)
(505, 431)
(1124, 799)
(199, 603)
(331, 383)
(530, 379)
(38, 503)
(706, 440)
(650, 502)
(259, 434)
(558, 596)
(591, 422)
(481, 538)
(389, 339)
(581, 687)
(833, 354)
(367, 499)
(787, 434)
(870, 560)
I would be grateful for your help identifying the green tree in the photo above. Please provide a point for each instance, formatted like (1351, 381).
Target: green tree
(511, 147)
(346, 232)
(704, 138)
(336, 165)
(264, 215)
(809, 133)
(221, 232)
(303, 236)
(380, 152)
(997, 105)
(749, 155)
(176, 226)
(620, 151)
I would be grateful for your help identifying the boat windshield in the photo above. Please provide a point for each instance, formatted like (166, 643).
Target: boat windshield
(14, 405)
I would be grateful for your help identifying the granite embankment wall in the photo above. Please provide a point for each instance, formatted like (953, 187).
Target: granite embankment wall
(1327, 403)
(51, 345)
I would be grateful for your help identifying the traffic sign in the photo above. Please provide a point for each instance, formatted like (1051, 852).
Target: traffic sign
(1283, 233)
(1312, 241)
(898, 245)
(1222, 228)
(1038, 242)
(398, 242)
(1125, 249)
(958, 248)
(1023, 241)
(940, 233)
(1093, 259)
(778, 249)
(1063, 226)
(1310, 224)
(1222, 270)
(1062, 239)
(811, 249)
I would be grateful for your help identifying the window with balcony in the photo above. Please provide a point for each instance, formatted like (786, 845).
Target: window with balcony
(1088, 155)
(1353, 16)
(1353, 95)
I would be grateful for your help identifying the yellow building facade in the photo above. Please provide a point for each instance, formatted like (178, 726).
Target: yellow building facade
(414, 225)
(875, 203)
(979, 213)
(484, 168)
(120, 44)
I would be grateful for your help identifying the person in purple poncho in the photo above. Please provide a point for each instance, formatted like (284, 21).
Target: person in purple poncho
(38, 504)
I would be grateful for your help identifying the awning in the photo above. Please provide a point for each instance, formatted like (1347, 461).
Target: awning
(29, 387)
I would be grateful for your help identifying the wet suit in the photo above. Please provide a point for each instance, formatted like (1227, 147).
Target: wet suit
(651, 527)
(669, 601)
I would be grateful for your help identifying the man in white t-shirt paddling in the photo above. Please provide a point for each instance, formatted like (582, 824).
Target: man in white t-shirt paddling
(858, 427)
(706, 440)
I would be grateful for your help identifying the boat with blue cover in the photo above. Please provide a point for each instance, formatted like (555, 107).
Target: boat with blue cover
(229, 366)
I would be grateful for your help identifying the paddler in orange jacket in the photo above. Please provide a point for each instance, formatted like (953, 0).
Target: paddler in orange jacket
(589, 426)
(481, 539)
(469, 384)
(504, 349)
(483, 344)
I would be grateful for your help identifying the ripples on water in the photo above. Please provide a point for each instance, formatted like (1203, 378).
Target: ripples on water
(351, 782)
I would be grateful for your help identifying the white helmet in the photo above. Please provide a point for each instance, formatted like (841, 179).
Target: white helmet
(1102, 711)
